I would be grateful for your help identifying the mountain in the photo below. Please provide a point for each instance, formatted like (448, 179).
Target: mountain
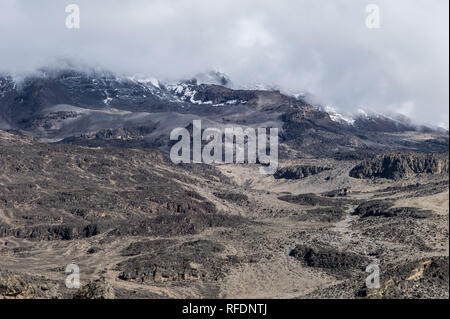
(94, 109)
(85, 181)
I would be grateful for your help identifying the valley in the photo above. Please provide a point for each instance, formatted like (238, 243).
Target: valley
(86, 179)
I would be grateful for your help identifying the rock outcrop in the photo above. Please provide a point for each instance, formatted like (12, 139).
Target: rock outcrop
(329, 259)
(314, 200)
(298, 172)
(384, 209)
(164, 261)
(431, 274)
(20, 287)
(96, 289)
(401, 165)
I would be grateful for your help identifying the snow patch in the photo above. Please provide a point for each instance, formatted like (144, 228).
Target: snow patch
(108, 99)
(186, 93)
(337, 117)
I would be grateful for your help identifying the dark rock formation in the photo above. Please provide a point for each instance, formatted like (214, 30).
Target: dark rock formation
(175, 225)
(401, 165)
(329, 258)
(147, 196)
(328, 215)
(298, 172)
(162, 261)
(314, 200)
(384, 208)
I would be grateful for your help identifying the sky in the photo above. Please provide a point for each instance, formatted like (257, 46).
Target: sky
(323, 48)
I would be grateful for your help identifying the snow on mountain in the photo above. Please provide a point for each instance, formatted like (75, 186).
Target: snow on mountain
(138, 93)
(186, 93)
(337, 117)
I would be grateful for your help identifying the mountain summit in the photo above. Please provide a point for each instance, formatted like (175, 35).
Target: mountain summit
(92, 108)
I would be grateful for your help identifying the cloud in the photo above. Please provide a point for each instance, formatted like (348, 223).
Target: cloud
(250, 33)
(296, 45)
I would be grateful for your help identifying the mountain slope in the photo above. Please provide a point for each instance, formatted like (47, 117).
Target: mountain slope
(103, 109)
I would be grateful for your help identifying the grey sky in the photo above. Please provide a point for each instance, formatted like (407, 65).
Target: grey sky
(322, 47)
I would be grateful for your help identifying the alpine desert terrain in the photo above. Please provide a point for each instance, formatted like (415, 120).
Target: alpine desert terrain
(85, 180)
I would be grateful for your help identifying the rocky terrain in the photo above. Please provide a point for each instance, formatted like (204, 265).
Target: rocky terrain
(140, 227)
(401, 165)
(98, 109)
(85, 179)
(297, 172)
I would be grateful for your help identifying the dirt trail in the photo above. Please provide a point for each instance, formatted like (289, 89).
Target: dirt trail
(351, 237)
(343, 227)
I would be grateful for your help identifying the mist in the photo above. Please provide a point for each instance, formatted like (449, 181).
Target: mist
(298, 46)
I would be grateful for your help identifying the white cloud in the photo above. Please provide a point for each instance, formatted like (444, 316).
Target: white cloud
(297, 45)
(250, 32)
